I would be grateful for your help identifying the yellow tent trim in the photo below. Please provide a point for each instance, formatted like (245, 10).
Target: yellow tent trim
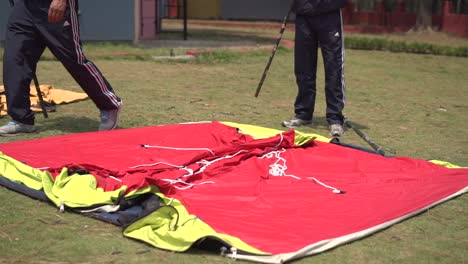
(263, 132)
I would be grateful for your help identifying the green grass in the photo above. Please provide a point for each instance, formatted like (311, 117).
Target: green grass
(413, 105)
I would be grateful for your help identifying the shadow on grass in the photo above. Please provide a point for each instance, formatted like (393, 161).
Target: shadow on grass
(69, 124)
(321, 121)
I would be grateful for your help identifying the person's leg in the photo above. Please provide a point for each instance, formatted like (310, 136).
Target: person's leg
(332, 45)
(63, 39)
(23, 48)
(305, 68)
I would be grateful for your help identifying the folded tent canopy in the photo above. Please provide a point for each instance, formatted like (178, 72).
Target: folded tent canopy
(180, 185)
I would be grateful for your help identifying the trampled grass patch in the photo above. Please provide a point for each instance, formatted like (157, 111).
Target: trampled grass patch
(413, 105)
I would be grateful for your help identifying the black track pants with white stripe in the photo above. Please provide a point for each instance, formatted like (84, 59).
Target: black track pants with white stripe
(324, 31)
(28, 33)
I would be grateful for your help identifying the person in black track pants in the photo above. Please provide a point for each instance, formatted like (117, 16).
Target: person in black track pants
(319, 23)
(34, 25)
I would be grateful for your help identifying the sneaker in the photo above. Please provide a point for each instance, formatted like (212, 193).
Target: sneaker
(14, 128)
(109, 118)
(336, 130)
(296, 122)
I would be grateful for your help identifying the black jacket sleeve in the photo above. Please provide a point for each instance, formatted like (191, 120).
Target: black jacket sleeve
(317, 7)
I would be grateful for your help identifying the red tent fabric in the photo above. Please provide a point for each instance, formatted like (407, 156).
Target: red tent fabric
(270, 193)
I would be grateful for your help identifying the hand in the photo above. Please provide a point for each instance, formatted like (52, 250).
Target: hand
(57, 11)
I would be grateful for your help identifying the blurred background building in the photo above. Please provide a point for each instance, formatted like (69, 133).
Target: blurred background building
(135, 20)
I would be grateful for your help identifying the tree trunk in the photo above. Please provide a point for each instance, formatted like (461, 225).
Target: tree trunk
(423, 15)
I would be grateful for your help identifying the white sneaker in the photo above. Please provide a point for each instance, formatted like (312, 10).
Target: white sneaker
(336, 130)
(295, 122)
(14, 128)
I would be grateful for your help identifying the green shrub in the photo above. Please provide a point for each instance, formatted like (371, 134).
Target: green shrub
(365, 43)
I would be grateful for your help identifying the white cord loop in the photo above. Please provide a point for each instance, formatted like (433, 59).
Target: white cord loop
(279, 167)
(207, 163)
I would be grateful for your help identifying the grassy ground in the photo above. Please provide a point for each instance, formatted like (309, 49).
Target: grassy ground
(413, 105)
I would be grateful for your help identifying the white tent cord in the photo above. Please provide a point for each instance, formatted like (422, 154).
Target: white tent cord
(188, 185)
(154, 164)
(114, 178)
(206, 163)
(335, 190)
(162, 147)
(281, 140)
(189, 171)
(273, 153)
(42, 168)
(277, 169)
